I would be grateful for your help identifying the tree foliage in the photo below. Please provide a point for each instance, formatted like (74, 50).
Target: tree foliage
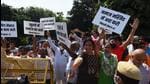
(30, 14)
(83, 12)
(135, 8)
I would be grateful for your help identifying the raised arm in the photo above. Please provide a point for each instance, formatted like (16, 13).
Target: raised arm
(53, 46)
(34, 43)
(77, 63)
(130, 37)
(3, 43)
(102, 36)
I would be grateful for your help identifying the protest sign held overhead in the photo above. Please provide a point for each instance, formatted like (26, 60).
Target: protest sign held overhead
(61, 32)
(8, 29)
(111, 20)
(33, 28)
(48, 23)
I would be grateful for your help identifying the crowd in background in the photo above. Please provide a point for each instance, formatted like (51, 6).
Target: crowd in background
(92, 58)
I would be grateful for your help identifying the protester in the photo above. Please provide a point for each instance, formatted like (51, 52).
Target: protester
(35, 48)
(50, 52)
(73, 51)
(98, 38)
(87, 64)
(95, 37)
(118, 46)
(108, 65)
(138, 42)
(148, 54)
(138, 57)
(60, 61)
(13, 49)
(127, 73)
(22, 52)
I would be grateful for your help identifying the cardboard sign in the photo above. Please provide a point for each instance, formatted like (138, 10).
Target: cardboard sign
(111, 20)
(8, 29)
(61, 32)
(33, 28)
(48, 23)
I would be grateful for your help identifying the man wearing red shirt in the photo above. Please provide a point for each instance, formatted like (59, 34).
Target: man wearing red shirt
(118, 46)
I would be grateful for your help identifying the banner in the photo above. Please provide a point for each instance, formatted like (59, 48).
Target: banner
(8, 29)
(33, 28)
(61, 32)
(111, 20)
(48, 23)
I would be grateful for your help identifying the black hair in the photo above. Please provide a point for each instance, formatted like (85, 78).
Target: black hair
(23, 50)
(95, 31)
(89, 39)
(43, 52)
(127, 80)
(139, 44)
(116, 37)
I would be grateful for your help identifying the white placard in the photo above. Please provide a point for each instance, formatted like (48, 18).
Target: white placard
(48, 23)
(61, 32)
(111, 20)
(33, 28)
(8, 29)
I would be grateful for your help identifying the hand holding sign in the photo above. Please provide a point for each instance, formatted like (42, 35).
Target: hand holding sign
(101, 32)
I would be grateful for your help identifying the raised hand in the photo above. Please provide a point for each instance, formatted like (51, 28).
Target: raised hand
(3, 42)
(135, 23)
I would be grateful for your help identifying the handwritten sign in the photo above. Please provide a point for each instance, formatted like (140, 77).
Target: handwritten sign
(111, 20)
(48, 23)
(33, 28)
(61, 32)
(8, 29)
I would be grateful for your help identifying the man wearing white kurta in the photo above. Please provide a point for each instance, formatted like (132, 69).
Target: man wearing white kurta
(60, 62)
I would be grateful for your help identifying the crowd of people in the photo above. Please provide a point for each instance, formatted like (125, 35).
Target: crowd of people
(93, 57)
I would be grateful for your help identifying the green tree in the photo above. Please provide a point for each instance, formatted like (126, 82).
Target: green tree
(82, 14)
(20, 14)
(135, 8)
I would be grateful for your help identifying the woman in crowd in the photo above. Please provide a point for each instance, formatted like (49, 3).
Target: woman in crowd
(87, 64)
(108, 65)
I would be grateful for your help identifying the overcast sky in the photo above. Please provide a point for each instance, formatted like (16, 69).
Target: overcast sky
(53, 5)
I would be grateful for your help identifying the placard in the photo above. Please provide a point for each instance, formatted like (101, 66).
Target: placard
(8, 29)
(48, 23)
(33, 28)
(61, 32)
(111, 20)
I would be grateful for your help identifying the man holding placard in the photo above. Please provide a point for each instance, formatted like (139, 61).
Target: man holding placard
(115, 22)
